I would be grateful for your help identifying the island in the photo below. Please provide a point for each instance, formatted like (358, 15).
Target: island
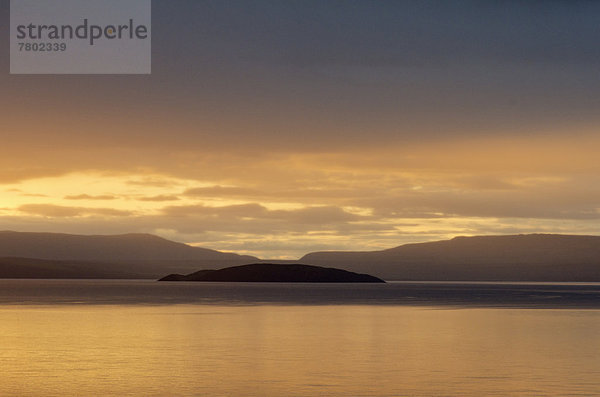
(282, 273)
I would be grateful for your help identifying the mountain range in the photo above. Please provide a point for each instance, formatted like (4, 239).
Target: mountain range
(532, 257)
(114, 256)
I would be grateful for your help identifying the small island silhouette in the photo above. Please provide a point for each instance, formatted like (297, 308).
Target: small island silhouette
(269, 272)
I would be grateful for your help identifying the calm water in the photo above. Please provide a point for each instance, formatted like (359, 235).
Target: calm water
(141, 338)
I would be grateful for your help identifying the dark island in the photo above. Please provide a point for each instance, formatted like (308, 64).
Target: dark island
(268, 272)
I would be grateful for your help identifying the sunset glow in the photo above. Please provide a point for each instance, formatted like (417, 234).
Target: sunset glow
(279, 147)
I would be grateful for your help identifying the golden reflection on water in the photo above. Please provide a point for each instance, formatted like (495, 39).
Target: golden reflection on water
(296, 351)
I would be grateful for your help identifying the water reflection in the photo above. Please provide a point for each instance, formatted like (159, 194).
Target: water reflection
(542, 295)
(291, 350)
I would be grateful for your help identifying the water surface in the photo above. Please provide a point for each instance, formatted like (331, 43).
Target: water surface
(133, 338)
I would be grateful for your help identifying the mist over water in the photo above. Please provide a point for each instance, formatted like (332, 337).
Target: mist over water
(132, 338)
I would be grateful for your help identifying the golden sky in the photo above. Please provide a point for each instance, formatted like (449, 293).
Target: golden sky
(280, 129)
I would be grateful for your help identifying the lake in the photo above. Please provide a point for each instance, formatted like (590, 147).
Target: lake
(143, 338)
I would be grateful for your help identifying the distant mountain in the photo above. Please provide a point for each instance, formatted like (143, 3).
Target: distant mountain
(533, 257)
(270, 272)
(140, 254)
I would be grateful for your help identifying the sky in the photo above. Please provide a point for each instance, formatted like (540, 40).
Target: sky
(277, 128)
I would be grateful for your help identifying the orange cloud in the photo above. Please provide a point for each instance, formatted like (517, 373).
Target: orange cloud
(90, 197)
(58, 211)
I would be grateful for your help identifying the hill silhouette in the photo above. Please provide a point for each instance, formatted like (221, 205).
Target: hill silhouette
(144, 255)
(270, 272)
(533, 257)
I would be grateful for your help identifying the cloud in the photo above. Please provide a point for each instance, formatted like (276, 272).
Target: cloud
(306, 194)
(566, 200)
(10, 172)
(153, 181)
(251, 210)
(425, 118)
(222, 191)
(321, 215)
(59, 211)
(159, 198)
(89, 197)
